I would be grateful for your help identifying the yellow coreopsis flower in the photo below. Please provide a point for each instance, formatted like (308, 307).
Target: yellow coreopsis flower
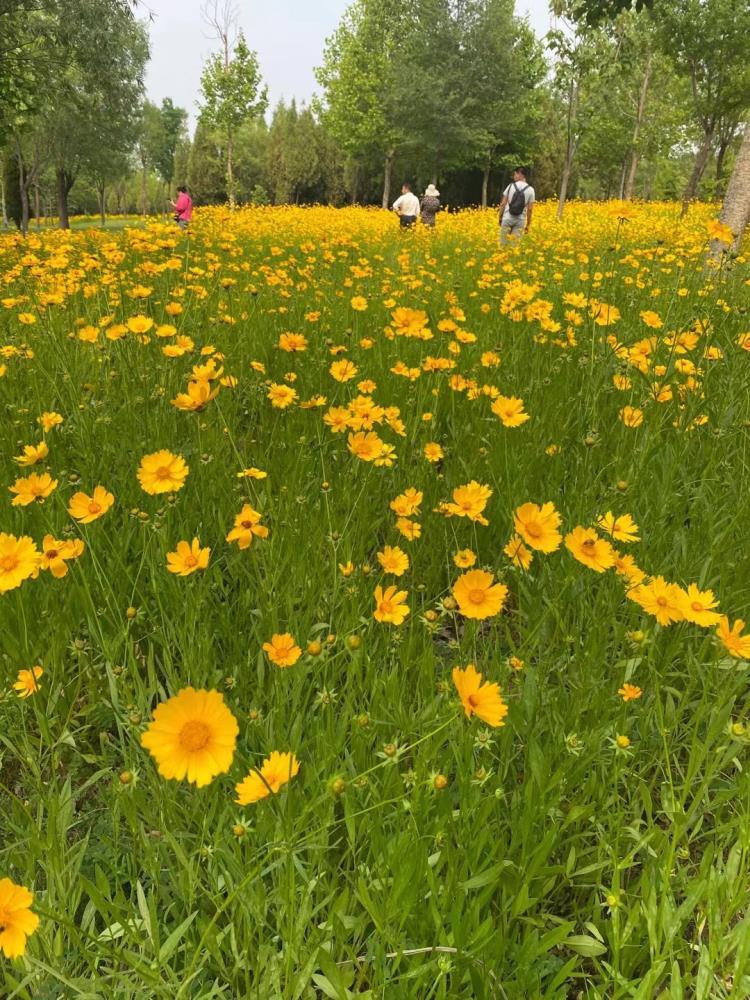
(275, 771)
(17, 921)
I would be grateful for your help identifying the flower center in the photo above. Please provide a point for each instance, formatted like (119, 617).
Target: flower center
(662, 602)
(191, 560)
(533, 529)
(473, 700)
(163, 472)
(8, 563)
(52, 553)
(589, 544)
(697, 606)
(194, 736)
(476, 596)
(94, 507)
(246, 524)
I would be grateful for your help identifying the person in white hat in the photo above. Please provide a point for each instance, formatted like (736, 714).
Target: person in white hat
(430, 205)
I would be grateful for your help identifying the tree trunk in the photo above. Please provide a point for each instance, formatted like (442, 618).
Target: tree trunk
(387, 170)
(570, 148)
(103, 204)
(37, 206)
(23, 190)
(64, 184)
(144, 191)
(486, 184)
(623, 179)
(230, 171)
(721, 153)
(701, 159)
(735, 212)
(639, 113)
(3, 206)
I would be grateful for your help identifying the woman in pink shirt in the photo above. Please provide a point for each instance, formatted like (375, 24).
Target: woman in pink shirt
(183, 208)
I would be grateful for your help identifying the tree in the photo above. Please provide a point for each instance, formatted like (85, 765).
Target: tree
(502, 69)
(364, 107)
(735, 211)
(206, 169)
(231, 87)
(708, 42)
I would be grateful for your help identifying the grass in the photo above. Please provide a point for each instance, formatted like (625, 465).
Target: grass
(554, 863)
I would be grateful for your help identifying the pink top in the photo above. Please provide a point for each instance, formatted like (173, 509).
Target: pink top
(184, 206)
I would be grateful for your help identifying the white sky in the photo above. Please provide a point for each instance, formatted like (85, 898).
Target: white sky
(287, 34)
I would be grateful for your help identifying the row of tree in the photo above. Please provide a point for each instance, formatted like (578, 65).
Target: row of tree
(623, 98)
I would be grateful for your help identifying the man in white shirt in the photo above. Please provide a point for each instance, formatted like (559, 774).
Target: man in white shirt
(407, 207)
(513, 224)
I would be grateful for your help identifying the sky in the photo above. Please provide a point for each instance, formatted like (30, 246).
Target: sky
(288, 36)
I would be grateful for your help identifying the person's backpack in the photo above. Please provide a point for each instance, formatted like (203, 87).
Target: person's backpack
(517, 201)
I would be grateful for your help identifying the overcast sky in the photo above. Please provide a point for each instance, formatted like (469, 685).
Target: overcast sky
(287, 34)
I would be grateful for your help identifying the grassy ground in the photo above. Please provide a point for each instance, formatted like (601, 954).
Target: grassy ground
(590, 847)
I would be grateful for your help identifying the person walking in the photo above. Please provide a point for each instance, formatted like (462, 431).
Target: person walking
(430, 205)
(406, 207)
(183, 208)
(516, 208)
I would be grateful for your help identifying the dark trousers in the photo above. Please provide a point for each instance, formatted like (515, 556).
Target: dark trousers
(407, 221)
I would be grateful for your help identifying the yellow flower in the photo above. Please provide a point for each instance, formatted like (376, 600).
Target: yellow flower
(468, 501)
(433, 452)
(192, 736)
(622, 528)
(292, 342)
(48, 420)
(663, 600)
(343, 371)
(19, 559)
(27, 684)
(718, 231)
(464, 558)
(33, 453)
(347, 568)
(365, 445)
(199, 394)
(359, 303)
(246, 527)
(17, 921)
(591, 550)
(736, 644)
(482, 700)
(477, 595)
(188, 558)
(282, 650)
(252, 473)
(698, 607)
(390, 605)
(538, 526)
(162, 472)
(631, 416)
(281, 396)
(652, 319)
(140, 324)
(517, 552)
(274, 773)
(407, 503)
(630, 692)
(86, 509)
(409, 529)
(55, 555)
(510, 411)
(31, 488)
(393, 560)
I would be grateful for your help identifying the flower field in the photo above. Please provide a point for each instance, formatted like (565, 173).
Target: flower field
(372, 609)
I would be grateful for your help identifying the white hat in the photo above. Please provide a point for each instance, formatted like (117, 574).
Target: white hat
(432, 191)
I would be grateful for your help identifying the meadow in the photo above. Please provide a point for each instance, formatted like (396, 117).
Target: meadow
(333, 473)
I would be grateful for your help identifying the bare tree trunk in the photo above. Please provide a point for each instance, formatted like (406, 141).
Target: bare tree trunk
(37, 206)
(623, 179)
(387, 171)
(721, 153)
(3, 206)
(64, 184)
(103, 204)
(230, 171)
(23, 190)
(701, 159)
(144, 190)
(570, 150)
(486, 184)
(640, 112)
(735, 212)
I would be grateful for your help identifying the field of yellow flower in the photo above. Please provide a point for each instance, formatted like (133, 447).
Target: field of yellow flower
(372, 609)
